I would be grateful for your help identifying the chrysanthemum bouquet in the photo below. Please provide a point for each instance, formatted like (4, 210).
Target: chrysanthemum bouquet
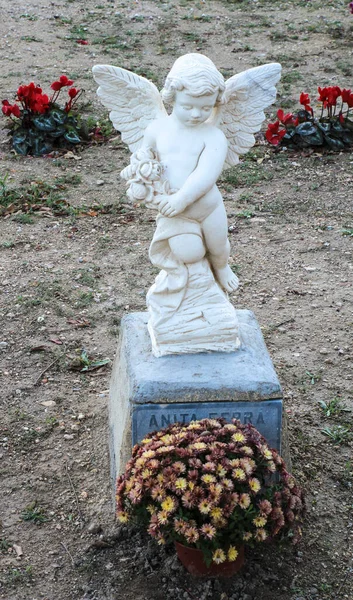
(210, 485)
(39, 123)
(333, 128)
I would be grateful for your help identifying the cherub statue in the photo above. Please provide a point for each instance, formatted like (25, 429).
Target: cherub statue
(177, 159)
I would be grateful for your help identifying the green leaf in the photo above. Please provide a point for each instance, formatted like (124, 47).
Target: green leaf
(58, 132)
(72, 137)
(333, 143)
(20, 147)
(41, 147)
(44, 123)
(308, 134)
(59, 116)
(19, 136)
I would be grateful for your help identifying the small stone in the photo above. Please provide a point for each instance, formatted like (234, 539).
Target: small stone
(69, 436)
(3, 345)
(100, 182)
(94, 527)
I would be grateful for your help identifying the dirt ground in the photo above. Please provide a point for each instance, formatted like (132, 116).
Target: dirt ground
(67, 279)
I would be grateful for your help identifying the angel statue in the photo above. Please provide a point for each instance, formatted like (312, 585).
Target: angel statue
(176, 161)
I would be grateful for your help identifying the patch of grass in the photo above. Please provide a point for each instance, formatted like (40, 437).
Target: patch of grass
(245, 214)
(85, 299)
(338, 434)
(17, 576)
(30, 38)
(333, 407)
(246, 174)
(78, 32)
(346, 67)
(29, 17)
(5, 545)
(348, 231)
(23, 219)
(313, 377)
(69, 179)
(8, 244)
(191, 36)
(291, 77)
(34, 513)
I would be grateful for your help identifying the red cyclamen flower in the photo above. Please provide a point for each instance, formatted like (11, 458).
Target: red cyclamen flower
(9, 110)
(273, 134)
(73, 92)
(287, 119)
(305, 101)
(347, 96)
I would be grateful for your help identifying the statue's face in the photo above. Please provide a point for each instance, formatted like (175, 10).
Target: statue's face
(193, 110)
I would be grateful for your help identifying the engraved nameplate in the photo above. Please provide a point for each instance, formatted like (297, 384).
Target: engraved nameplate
(266, 416)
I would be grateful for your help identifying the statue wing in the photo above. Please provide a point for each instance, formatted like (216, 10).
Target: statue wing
(241, 114)
(133, 101)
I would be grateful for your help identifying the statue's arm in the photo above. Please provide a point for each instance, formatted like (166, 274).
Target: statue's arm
(201, 180)
(207, 171)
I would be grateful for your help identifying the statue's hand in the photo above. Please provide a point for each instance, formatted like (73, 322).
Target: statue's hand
(170, 206)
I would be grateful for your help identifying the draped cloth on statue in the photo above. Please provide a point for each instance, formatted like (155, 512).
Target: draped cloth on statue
(189, 312)
(167, 293)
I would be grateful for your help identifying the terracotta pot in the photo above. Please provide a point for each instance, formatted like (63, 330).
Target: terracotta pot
(193, 561)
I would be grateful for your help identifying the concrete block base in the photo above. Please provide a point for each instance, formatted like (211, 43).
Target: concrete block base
(147, 392)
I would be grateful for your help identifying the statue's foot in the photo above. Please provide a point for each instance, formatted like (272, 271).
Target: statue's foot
(227, 279)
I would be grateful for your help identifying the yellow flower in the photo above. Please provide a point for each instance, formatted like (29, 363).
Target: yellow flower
(221, 471)
(244, 501)
(149, 454)
(146, 441)
(218, 556)
(198, 446)
(247, 536)
(169, 504)
(160, 478)
(161, 541)
(162, 517)
(140, 462)
(261, 535)
(239, 474)
(230, 427)
(208, 478)
(204, 507)
(129, 485)
(216, 513)
(122, 516)
(232, 553)
(238, 437)
(191, 534)
(194, 425)
(227, 484)
(181, 483)
(166, 439)
(247, 450)
(151, 509)
(254, 485)
(267, 453)
(146, 473)
(191, 485)
(259, 521)
(208, 531)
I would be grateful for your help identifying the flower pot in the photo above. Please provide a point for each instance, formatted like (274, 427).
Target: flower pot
(192, 559)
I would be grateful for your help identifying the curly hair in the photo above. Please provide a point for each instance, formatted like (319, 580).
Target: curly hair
(195, 73)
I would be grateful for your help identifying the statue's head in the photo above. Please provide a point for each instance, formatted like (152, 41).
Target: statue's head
(196, 74)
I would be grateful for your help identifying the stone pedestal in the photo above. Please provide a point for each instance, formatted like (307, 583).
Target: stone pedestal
(148, 393)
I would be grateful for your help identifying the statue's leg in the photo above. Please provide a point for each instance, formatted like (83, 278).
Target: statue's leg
(215, 230)
(188, 248)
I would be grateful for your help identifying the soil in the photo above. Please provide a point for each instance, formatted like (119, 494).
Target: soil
(66, 281)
